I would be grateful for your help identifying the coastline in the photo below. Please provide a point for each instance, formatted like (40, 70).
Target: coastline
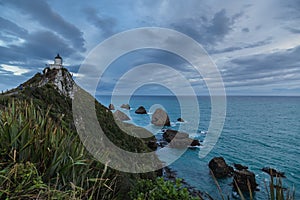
(168, 173)
(232, 132)
(171, 175)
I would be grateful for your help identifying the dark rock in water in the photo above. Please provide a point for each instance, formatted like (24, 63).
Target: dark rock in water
(220, 168)
(119, 115)
(111, 107)
(179, 139)
(273, 172)
(141, 110)
(160, 118)
(125, 106)
(241, 179)
(195, 143)
(169, 135)
(180, 119)
(152, 144)
(239, 166)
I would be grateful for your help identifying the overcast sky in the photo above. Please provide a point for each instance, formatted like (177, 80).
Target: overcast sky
(255, 44)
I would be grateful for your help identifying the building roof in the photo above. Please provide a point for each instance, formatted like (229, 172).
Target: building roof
(58, 56)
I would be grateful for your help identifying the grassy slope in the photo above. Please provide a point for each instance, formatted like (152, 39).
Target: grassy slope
(46, 99)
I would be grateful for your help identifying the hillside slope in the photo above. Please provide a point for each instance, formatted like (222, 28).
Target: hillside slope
(48, 97)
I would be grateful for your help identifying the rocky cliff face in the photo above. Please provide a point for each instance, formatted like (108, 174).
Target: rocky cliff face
(61, 79)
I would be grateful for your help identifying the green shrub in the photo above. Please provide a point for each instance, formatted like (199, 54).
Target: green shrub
(160, 189)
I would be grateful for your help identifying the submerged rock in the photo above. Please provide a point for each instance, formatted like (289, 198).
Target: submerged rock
(220, 168)
(125, 106)
(160, 118)
(111, 107)
(119, 115)
(141, 110)
(241, 179)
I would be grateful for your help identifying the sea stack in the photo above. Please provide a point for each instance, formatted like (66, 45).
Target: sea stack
(125, 106)
(219, 167)
(141, 110)
(160, 118)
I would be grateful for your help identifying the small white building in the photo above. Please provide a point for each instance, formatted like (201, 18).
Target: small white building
(58, 63)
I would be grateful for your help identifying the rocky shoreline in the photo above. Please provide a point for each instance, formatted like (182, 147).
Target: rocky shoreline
(171, 175)
(242, 178)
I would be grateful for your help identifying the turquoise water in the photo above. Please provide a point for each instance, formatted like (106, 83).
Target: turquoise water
(258, 132)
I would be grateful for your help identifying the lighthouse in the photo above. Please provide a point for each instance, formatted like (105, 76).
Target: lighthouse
(58, 62)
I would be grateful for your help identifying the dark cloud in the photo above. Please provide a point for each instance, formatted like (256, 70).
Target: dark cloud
(245, 30)
(269, 62)
(38, 46)
(41, 12)
(105, 24)
(9, 28)
(293, 6)
(294, 30)
(45, 44)
(9, 54)
(278, 67)
(207, 32)
(220, 25)
(245, 46)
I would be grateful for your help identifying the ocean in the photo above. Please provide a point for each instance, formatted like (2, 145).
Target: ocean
(258, 132)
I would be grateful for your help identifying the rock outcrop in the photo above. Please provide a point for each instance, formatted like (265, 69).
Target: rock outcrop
(239, 166)
(141, 110)
(273, 172)
(195, 143)
(219, 167)
(125, 106)
(180, 119)
(160, 118)
(111, 107)
(61, 79)
(242, 178)
(178, 139)
(169, 135)
(119, 115)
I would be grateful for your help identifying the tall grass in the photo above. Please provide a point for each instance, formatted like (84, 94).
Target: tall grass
(276, 191)
(41, 158)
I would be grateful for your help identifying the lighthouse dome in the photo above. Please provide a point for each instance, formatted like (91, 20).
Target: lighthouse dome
(58, 60)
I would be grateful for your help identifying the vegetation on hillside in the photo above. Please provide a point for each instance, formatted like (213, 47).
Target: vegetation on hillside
(161, 189)
(38, 140)
(42, 159)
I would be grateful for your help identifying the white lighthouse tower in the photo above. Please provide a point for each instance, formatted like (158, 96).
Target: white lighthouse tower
(58, 63)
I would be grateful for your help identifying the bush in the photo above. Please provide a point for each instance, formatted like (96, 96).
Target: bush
(160, 189)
